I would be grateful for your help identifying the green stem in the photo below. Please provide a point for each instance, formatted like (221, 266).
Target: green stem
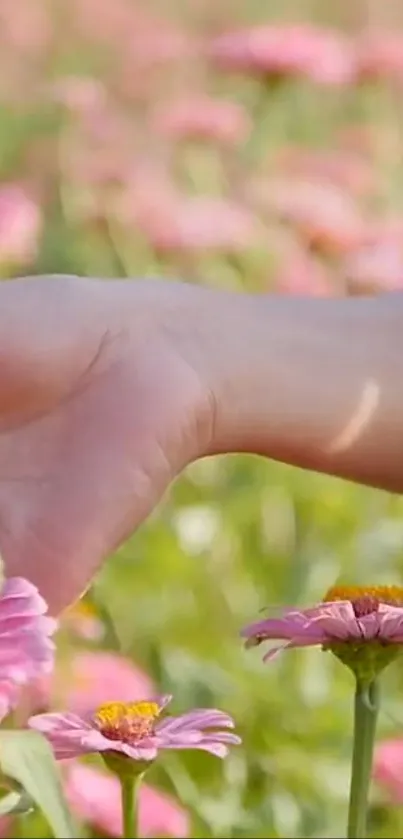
(365, 716)
(130, 787)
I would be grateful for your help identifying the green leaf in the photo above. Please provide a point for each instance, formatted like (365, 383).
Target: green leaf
(27, 757)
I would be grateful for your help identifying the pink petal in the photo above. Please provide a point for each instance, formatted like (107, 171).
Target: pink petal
(370, 626)
(198, 718)
(216, 749)
(55, 722)
(65, 732)
(196, 739)
(295, 643)
(19, 589)
(9, 695)
(334, 629)
(139, 752)
(26, 649)
(275, 652)
(223, 737)
(292, 623)
(391, 623)
(337, 620)
(23, 621)
(188, 737)
(94, 741)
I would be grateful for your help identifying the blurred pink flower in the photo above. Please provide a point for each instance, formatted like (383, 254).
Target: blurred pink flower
(88, 679)
(100, 149)
(377, 264)
(345, 169)
(158, 42)
(375, 268)
(20, 225)
(326, 217)
(359, 139)
(116, 22)
(144, 47)
(388, 767)
(25, 27)
(388, 228)
(380, 56)
(349, 614)
(136, 730)
(202, 117)
(301, 274)
(195, 223)
(26, 648)
(83, 682)
(148, 194)
(286, 50)
(95, 798)
(80, 94)
(131, 29)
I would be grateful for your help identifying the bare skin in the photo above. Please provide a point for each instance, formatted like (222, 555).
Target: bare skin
(110, 388)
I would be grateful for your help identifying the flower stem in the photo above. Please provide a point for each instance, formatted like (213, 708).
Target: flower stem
(130, 787)
(365, 716)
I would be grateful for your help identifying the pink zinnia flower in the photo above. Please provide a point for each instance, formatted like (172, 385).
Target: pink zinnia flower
(345, 169)
(204, 118)
(132, 29)
(326, 217)
(80, 94)
(25, 28)
(281, 50)
(376, 267)
(349, 615)
(136, 729)
(193, 223)
(155, 44)
(20, 225)
(380, 56)
(26, 649)
(301, 274)
(99, 154)
(84, 682)
(95, 798)
(377, 264)
(91, 675)
(388, 767)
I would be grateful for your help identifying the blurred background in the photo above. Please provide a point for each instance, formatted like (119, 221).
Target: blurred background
(245, 145)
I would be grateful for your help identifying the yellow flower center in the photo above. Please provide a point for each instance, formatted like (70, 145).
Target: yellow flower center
(126, 721)
(82, 610)
(366, 599)
(86, 609)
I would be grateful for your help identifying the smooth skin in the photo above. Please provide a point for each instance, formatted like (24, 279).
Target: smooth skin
(110, 388)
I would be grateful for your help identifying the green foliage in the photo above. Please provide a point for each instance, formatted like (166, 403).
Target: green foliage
(26, 757)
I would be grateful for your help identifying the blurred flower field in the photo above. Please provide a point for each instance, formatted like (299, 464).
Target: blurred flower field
(247, 146)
